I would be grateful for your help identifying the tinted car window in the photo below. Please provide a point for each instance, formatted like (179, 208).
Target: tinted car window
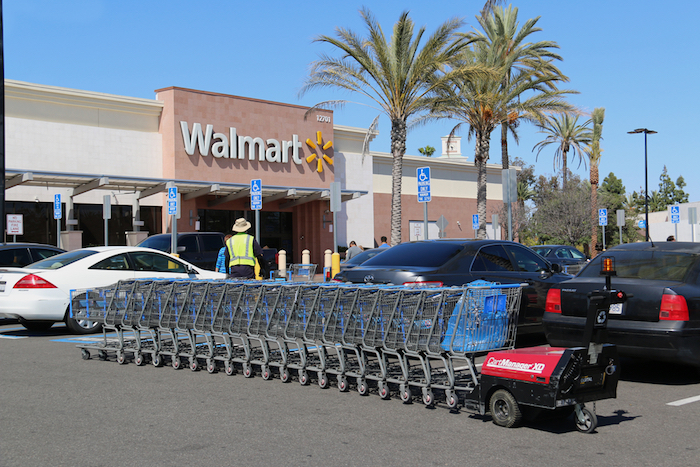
(422, 254)
(648, 265)
(43, 253)
(211, 242)
(577, 254)
(189, 242)
(114, 263)
(563, 253)
(14, 257)
(157, 242)
(492, 258)
(527, 261)
(64, 259)
(145, 261)
(542, 251)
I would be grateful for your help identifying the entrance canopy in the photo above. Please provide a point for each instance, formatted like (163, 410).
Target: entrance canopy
(188, 189)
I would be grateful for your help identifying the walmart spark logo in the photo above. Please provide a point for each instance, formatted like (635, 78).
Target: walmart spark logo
(320, 148)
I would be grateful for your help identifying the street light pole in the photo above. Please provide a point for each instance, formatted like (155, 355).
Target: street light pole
(646, 177)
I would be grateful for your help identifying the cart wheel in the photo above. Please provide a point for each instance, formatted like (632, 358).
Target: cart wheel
(428, 397)
(383, 389)
(405, 394)
(194, 365)
(505, 409)
(156, 360)
(139, 360)
(85, 354)
(176, 362)
(121, 358)
(247, 370)
(229, 368)
(284, 375)
(211, 366)
(362, 386)
(451, 399)
(102, 355)
(303, 378)
(586, 421)
(342, 383)
(265, 373)
(322, 380)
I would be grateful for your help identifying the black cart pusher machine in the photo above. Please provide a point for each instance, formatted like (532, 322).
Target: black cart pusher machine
(554, 381)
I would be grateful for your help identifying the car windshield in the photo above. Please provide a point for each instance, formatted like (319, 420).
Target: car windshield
(157, 242)
(542, 251)
(645, 264)
(419, 254)
(64, 259)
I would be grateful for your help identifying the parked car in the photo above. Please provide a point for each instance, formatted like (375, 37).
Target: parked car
(17, 255)
(39, 294)
(569, 258)
(457, 262)
(661, 318)
(198, 248)
(361, 258)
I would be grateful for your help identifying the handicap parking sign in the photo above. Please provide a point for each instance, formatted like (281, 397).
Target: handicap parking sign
(675, 214)
(172, 201)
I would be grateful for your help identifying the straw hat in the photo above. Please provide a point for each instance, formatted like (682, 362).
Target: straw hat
(241, 225)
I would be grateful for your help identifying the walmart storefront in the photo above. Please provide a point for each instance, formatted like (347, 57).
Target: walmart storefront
(87, 146)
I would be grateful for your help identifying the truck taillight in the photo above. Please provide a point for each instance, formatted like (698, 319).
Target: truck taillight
(553, 304)
(32, 281)
(673, 308)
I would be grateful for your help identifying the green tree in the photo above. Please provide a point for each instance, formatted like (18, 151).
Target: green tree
(611, 195)
(516, 56)
(398, 74)
(669, 193)
(562, 216)
(427, 151)
(568, 135)
(594, 154)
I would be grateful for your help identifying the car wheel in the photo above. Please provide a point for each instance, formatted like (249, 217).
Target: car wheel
(82, 326)
(35, 325)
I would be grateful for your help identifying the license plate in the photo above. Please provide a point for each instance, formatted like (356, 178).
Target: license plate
(2, 286)
(615, 309)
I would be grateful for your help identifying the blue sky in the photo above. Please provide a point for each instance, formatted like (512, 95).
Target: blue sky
(635, 59)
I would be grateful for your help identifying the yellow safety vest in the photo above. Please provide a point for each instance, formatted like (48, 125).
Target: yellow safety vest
(240, 250)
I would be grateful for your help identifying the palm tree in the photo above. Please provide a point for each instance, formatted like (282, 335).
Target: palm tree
(515, 55)
(399, 75)
(482, 103)
(594, 157)
(568, 135)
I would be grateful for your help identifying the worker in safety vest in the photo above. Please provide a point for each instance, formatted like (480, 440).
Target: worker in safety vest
(241, 251)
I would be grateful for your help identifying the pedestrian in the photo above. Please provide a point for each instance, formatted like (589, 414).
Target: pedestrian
(221, 259)
(354, 250)
(241, 251)
(384, 243)
(671, 238)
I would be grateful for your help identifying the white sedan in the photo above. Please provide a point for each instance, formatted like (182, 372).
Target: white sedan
(39, 294)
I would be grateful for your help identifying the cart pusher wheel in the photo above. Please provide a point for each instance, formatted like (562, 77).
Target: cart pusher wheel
(505, 409)
(586, 420)
(85, 354)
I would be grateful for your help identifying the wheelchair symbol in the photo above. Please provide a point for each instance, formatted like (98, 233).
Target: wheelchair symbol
(423, 176)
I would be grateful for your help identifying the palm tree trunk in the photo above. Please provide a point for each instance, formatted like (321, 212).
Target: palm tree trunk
(398, 149)
(594, 209)
(480, 158)
(504, 146)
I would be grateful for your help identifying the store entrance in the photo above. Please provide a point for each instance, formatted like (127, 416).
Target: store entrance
(275, 227)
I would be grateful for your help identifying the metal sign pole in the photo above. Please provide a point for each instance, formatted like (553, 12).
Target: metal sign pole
(425, 221)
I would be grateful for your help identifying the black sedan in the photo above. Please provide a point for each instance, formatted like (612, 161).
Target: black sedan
(661, 321)
(569, 258)
(457, 262)
(18, 255)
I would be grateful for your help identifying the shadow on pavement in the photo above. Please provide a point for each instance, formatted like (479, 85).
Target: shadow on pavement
(645, 371)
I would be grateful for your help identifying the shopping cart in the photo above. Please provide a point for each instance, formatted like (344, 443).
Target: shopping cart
(302, 272)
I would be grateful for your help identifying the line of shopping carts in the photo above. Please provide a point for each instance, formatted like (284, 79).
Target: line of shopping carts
(413, 339)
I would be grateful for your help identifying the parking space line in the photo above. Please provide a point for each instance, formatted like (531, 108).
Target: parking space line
(687, 400)
(5, 336)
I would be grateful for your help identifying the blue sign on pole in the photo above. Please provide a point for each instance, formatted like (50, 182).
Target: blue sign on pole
(172, 201)
(642, 224)
(57, 212)
(423, 177)
(603, 217)
(475, 221)
(675, 214)
(256, 194)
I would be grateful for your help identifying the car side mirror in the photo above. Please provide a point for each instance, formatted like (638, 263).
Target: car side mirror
(190, 270)
(556, 268)
(181, 249)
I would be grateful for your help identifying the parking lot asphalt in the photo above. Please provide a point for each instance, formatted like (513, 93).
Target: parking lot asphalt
(58, 409)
